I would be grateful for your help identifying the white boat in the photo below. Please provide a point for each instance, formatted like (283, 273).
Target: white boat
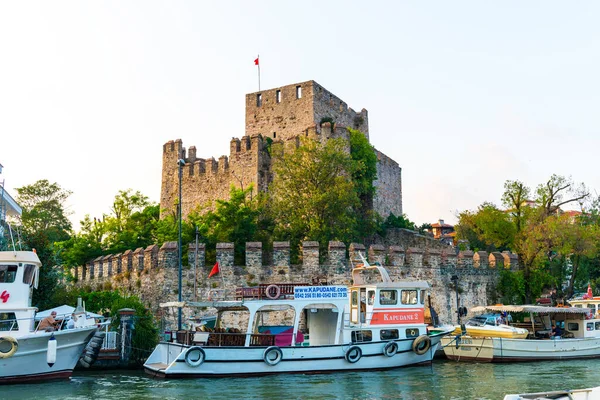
(580, 337)
(571, 394)
(298, 328)
(26, 354)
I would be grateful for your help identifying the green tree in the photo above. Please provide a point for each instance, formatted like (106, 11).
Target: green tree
(489, 228)
(236, 220)
(313, 197)
(402, 222)
(44, 222)
(131, 222)
(83, 246)
(364, 173)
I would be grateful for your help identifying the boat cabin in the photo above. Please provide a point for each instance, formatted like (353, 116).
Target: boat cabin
(374, 308)
(19, 274)
(575, 322)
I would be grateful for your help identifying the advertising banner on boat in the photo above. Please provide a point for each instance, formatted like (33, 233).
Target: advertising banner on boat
(320, 292)
(398, 316)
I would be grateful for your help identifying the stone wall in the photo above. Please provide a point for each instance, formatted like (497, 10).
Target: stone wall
(270, 126)
(292, 114)
(388, 198)
(156, 279)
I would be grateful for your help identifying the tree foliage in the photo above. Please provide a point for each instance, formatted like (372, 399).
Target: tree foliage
(551, 246)
(44, 222)
(313, 197)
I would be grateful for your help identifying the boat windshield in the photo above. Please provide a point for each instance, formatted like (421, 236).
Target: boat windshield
(482, 320)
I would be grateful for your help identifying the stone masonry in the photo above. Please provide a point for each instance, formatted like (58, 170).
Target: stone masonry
(275, 118)
(152, 274)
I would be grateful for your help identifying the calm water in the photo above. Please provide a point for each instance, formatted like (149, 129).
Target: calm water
(442, 380)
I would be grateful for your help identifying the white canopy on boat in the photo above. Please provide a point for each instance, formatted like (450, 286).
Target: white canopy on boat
(63, 312)
(531, 309)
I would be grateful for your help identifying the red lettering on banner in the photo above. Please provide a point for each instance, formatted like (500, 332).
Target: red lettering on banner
(4, 296)
(395, 317)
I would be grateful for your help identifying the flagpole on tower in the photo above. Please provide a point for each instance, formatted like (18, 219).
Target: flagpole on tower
(257, 63)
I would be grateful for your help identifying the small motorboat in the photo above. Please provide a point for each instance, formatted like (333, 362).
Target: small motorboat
(576, 394)
(491, 325)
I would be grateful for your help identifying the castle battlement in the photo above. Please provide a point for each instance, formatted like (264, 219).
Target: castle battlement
(151, 273)
(285, 111)
(275, 118)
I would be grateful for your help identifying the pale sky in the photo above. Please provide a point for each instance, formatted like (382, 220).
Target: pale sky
(462, 94)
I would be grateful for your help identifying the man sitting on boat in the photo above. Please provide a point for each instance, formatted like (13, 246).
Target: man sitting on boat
(49, 323)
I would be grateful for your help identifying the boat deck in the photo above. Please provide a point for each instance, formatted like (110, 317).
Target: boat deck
(157, 366)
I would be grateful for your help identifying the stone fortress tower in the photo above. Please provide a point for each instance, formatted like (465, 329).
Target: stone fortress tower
(274, 116)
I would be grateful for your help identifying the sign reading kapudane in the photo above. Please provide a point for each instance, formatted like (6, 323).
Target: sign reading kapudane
(320, 292)
(395, 316)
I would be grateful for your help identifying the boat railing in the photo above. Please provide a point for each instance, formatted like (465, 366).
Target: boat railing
(222, 337)
(268, 291)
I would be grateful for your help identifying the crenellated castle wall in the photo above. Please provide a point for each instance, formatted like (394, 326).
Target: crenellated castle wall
(152, 273)
(271, 126)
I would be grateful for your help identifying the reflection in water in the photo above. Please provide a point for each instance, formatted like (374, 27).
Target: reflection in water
(442, 380)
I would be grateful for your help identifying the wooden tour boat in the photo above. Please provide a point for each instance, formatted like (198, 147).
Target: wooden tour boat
(300, 328)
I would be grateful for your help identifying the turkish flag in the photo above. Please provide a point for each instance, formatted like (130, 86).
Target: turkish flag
(215, 270)
(256, 61)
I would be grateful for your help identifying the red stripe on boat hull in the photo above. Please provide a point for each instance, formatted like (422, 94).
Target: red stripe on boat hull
(65, 374)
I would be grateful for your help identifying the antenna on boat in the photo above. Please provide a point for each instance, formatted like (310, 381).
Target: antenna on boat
(364, 260)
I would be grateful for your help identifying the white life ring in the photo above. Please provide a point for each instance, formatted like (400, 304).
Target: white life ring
(353, 354)
(191, 359)
(421, 345)
(390, 349)
(14, 346)
(275, 295)
(273, 355)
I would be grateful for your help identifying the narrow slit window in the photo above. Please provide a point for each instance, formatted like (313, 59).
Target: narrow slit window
(258, 100)
(298, 92)
(278, 96)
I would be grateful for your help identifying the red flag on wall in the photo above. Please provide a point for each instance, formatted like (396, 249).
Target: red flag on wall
(256, 61)
(589, 294)
(215, 270)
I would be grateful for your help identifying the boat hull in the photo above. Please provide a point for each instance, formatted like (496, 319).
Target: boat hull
(29, 363)
(168, 359)
(518, 350)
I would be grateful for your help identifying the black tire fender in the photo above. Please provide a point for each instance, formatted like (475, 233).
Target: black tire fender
(353, 354)
(390, 349)
(421, 345)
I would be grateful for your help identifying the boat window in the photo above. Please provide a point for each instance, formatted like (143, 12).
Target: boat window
(598, 326)
(362, 336)
(412, 332)
(388, 297)
(578, 306)
(29, 274)
(389, 334)
(8, 322)
(590, 326)
(371, 297)
(573, 326)
(354, 298)
(422, 297)
(409, 297)
(8, 273)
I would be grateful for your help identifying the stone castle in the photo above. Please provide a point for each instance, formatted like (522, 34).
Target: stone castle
(275, 117)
